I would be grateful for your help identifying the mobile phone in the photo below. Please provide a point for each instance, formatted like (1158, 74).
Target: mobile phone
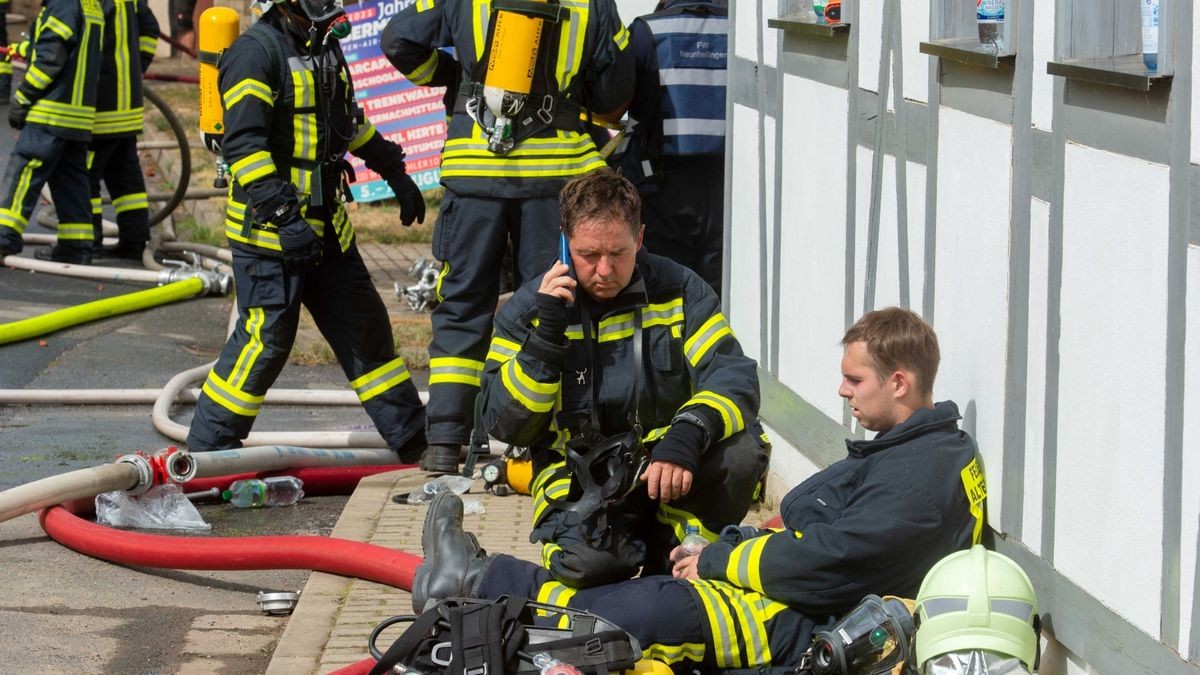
(564, 253)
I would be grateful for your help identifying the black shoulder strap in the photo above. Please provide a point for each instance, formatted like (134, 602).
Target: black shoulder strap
(272, 41)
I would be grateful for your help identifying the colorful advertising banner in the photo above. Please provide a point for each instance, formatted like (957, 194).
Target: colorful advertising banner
(412, 116)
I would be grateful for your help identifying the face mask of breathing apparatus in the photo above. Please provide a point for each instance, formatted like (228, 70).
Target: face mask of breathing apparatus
(871, 640)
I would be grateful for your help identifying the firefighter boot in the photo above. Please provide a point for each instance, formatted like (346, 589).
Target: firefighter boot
(75, 255)
(5, 88)
(454, 562)
(440, 459)
(10, 242)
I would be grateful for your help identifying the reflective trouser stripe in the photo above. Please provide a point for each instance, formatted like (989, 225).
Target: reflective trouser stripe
(230, 398)
(75, 231)
(255, 318)
(455, 370)
(737, 622)
(380, 380)
(130, 202)
(559, 595)
(10, 215)
(679, 520)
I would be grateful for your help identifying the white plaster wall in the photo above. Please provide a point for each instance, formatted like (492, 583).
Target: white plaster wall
(632, 9)
(975, 157)
(870, 41)
(1043, 51)
(914, 22)
(1195, 88)
(1112, 380)
(744, 262)
(1191, 452)
(812, 315)
(1035, 380)
(887, 275)
(745, 26)
(789, 466)
(770, 10)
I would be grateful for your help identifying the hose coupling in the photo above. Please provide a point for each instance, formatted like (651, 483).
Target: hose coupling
(215, 283)
(180, 466)
(145, 473)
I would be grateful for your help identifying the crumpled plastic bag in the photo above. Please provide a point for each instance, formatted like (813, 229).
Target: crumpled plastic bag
(974, 662)
(452, 483)
(162, 507)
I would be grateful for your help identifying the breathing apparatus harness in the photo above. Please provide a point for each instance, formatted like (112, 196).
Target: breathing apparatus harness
(503, 110)
(462, 636)
(606, 468)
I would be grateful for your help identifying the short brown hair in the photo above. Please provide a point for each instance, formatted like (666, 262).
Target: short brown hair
(899, 339)
(601, 195)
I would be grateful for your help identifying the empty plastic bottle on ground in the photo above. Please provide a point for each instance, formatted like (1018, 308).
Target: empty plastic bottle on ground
(693, 542)
(990, 14)
(1150, 33)
(272, 491)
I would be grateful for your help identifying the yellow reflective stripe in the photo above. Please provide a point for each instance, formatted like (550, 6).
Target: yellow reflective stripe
(248, 87)
(622, 38)
(479, 19)
(36, 77)
(341, 222)
(537, 396)
(656, 434)
(256, 237)
(96, 204)
(502, 350)
(119, 121)
(58, 27)
(679, 520)
(365, 132)
(975, 485)
(255, 318)
(668, 313)
(130, 202)
(548, 551)
(304, 89)
(5, 67)
(743, 566)
(690, 651)
(75, 231)
(148, 43)
(556, 489)
(545, 474)
(66, 117)
(252, 167)
(12, 216)
(304, 136)
(454, 370)
(731, 415)
(702, 341)
(571, 42)
(425, 5)
(753, 630)
(230, 398)
(556, 594)
(302, 179)
(381, 379)
(423, 73)
(121, 58)
(721, 624)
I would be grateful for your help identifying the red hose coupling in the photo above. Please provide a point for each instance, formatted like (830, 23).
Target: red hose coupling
(151, 469)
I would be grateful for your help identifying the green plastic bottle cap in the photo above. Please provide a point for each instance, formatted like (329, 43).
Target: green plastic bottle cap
(226, 495)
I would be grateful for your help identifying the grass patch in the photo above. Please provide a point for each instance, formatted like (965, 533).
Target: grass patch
(188, 229)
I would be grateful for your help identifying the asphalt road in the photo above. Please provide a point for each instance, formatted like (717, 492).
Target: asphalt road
(63, 612)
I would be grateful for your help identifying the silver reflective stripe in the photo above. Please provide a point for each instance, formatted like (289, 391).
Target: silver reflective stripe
(1016, 608)
(688, 24)
(938, 606)
(692, 76)
(694, 127)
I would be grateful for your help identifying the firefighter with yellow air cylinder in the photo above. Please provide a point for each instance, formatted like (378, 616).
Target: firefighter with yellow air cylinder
(289, 118)
(525, 74)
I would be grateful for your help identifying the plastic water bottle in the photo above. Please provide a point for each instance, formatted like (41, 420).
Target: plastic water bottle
(693, 542)
(819, 9)
(272, 491)
(990, 14)
(548, 665)
(1150, 33)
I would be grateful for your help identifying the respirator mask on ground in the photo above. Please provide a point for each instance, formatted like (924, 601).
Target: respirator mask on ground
(871, 640)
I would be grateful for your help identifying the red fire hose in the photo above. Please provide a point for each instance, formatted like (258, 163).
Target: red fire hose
(324, 554)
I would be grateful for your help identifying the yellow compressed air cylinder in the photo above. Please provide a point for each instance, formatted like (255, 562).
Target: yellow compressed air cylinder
(518, 473)
(648, 667)
(219, 27)
(514, 49)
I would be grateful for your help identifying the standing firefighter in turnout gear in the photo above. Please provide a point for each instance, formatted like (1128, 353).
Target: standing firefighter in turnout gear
(560, 380)
(506, 157)
(130, 36)
(55, 108)
(676, 155)
(873, 523)
(6, 69)
(290, 117)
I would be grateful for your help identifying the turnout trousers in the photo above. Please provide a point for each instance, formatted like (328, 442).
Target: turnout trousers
(694, 624)
(642, 531)
(685, 215)
(470, 240)
(40, 158)
(115, 162)
(351, 316)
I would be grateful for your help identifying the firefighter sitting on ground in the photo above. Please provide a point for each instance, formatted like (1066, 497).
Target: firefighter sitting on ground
(514, 139)
(873, 523)
(564, 367)
(290, 116)
(55, 108)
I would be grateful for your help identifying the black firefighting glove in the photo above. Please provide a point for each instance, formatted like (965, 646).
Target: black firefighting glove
(300, 244)
(18, 111)
(281, 207)
(387, 159)
(682, 445)
(553, 318)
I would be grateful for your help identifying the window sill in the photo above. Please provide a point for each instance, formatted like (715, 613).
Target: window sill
(1120, 71)
(966, 50)
(812, 27)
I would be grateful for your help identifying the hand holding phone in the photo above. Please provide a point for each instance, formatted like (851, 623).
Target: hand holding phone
(559, 281)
